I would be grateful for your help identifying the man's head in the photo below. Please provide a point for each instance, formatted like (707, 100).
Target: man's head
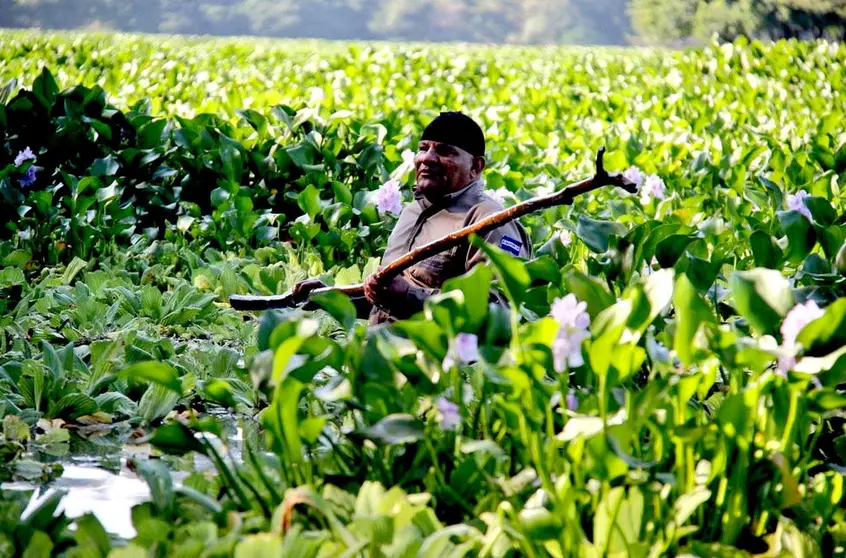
(450, 155)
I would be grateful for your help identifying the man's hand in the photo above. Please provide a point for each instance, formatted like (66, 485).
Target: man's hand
(385, 295)
(302, 289)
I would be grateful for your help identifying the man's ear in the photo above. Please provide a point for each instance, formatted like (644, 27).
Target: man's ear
(479, 165)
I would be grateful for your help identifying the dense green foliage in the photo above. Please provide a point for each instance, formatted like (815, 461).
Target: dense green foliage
(609, 22)
(700, 410)
(664, 21)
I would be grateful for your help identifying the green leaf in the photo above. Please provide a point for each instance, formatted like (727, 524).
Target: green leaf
(74, 405)
(175, 438)
(801, 237)
(765, 250)
(107, 166)
(670, 249)
(827, 333)
(11, 276)
(511, 271)
(40, 546)
(46, 88)
(590, 290)
(309, 201)
(476, 286)
(157, 476)
(261, 545)
(691, 312)
(159, 373)
(762, 296)
(395, 429)
(338, 305)
(595, 234)
(18, 258)
(688, 503)
(73, 269)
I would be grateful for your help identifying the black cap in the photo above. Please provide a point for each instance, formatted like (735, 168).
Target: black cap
(458, 129)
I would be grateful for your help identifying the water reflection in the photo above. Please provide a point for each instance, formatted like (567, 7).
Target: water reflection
(100, 481)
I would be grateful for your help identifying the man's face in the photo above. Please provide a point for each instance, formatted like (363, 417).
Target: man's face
(442, 168)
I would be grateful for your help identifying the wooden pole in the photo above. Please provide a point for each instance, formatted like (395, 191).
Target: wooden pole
(564, 196)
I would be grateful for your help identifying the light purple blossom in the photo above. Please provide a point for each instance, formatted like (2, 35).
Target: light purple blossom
(572, 401)
(653, 187)
(796, 319)
(467, 347)
(448, 415)
(633, 174)
(565, 237)
(389, 198)
(570, 312)
(25, 155)
(467, 394)
(573, 321)
(28, 179)
(797, 203)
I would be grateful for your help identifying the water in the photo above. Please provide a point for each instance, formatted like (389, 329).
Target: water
(105, 486)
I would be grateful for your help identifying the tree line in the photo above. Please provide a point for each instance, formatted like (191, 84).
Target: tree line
(605, 22)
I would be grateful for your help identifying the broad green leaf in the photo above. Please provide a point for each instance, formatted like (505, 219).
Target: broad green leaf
(691, 312)
(595, 233)
(827, 333)
(159, 373)
(762, 296)
(175, 438)
(338, 305)
(157, 476)
(510, 271)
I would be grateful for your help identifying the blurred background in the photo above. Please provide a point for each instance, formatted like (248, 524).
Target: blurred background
(589, 22)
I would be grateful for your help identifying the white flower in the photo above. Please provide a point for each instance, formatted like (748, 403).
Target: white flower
(573, 321)
(653, 187)
(448, 415)
(633, 174)
(389, 198)
(500, 194)
(565, 237)
(797, 203)
(25, 155)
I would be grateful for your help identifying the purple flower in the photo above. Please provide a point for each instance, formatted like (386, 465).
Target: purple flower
(572, 401)
(573, 321)
(797, 203)
(797, 318)
(634, 175)
(28, 179)
(448, 415)
(653, 187)
(569, 312)
(25, 155)
(565, 237)
(467, 347)
(389, 198)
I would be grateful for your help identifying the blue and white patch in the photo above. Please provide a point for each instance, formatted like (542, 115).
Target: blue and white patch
(510, 245)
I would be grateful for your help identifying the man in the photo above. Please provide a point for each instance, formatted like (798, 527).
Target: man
(449, 195)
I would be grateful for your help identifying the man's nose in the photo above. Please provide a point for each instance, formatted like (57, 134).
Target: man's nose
(427, 157)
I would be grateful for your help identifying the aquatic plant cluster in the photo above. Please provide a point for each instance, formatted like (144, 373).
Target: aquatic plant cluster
(666, 378)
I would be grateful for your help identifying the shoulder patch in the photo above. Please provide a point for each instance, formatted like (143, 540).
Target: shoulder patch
(510, 245)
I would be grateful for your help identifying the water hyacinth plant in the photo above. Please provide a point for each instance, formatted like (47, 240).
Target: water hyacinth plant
(663, 377)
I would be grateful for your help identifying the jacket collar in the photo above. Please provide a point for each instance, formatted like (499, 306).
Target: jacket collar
(450, 198)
